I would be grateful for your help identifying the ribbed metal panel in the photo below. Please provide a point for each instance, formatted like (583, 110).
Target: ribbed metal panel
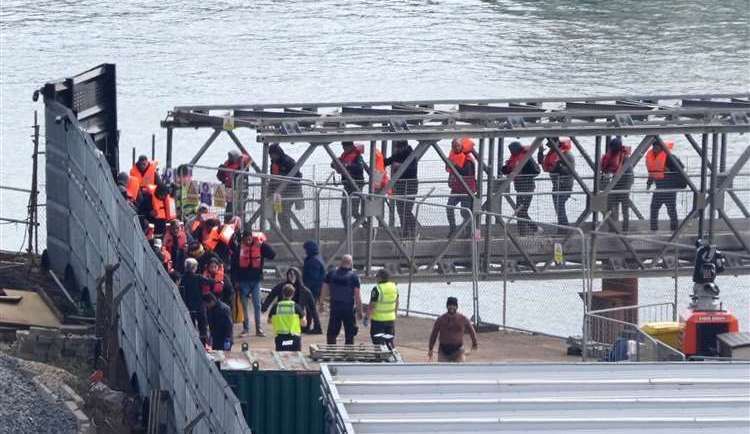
(560, 398)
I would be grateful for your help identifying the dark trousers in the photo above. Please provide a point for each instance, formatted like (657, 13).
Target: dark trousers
(464, 200)
(664, 198)
(198, 317)
(406, 191)
(525, 225)
(339, 316)
(615, 201)
(356, 212)
(378, 327)
(288, 343)
(558, 200)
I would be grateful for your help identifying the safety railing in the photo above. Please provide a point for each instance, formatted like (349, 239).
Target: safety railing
(90, 226)
(614, 340)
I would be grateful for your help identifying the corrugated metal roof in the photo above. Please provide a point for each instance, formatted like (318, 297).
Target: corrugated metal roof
(735, 339)
(580, 397)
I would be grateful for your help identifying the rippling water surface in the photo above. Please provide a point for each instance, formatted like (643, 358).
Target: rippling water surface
(183, 52)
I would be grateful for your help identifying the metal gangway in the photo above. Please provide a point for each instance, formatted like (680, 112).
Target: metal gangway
(709, 132)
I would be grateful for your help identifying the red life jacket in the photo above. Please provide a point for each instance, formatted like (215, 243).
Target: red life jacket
(217, 287)
(349, 157)
(551, 159)
(227, 177)
(613, 161)
(146, 178)
(167, 259)
(164, 209)
(250, 254)
(513, 160)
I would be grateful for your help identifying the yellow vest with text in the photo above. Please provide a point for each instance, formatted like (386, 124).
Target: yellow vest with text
(286, 321)
(385, 306)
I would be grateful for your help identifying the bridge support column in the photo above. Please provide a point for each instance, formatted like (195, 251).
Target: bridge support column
(617, 293)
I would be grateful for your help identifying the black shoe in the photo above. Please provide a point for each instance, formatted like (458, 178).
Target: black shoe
(316, 332)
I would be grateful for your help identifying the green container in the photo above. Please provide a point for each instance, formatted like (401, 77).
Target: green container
(279, 402)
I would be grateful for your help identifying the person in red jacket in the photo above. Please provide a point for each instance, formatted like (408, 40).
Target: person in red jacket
(235, 161)
(612, 163)
(248, 257)
(463, 160)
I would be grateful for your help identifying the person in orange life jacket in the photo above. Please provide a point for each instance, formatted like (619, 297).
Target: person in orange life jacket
(406, 186)
(235, 161)
(287, 340)
(523, 183)
(197, 252)
(353, 162)
(222, 287)
(248, 257)
(145, 171)
(220, 324)
(191, 290)
(664, 171)
(282, 165)
(176, 241)
(195, 224)
(164, 257)
(129, 187)
(220, 237)
(158, 205)
(612, 162)
(302, 296)
(462, 158)
(342, 285)
(560, 174)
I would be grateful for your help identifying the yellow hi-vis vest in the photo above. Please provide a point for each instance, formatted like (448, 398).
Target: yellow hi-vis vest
(286, 321)
(385, 307)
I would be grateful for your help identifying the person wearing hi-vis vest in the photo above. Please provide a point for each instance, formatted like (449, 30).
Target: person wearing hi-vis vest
(288, 319)
(247, 270)
(382, 309)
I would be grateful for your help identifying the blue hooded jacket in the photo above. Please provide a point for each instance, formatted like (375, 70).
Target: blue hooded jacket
(314, 270)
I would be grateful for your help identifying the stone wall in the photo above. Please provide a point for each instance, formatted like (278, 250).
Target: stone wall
(53, 345)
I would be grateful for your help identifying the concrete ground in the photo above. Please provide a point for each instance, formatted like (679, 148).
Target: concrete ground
(412, 336)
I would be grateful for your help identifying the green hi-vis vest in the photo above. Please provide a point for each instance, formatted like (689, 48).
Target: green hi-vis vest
(286, 321)
(385, 307)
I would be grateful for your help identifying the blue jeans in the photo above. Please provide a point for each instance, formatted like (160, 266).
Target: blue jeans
(248, 288)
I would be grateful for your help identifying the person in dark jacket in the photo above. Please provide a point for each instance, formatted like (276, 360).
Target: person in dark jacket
(524, 184)
(314, 270)
(282, 165)
(249, 275)
(353, 162)
(219, 317)
(343, 286)
(302, 296)
(191, 290)
(560, 174)
(406, 187)
(612, 163)
(664, 171)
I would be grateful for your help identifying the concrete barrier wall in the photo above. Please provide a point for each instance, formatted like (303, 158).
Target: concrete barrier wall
(90, 225)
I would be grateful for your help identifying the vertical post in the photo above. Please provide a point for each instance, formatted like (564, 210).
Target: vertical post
(723, 158)
(597, 171)
(480, 186)
(371, 190)
(32, 211)
(676, 282)
(153, 147)
(714, 169)
(169, 147)
(500, 159)
(704, 174)
(391, 212)
(133, 158)
(487, 218)
(505, 267)
(263, 188)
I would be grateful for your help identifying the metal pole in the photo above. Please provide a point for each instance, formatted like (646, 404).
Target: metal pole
(704, 173)
(133, 158)
(505, 268)
(414, 241)
(371, 190)
(32, 211)
(169, 147)
(723, 158)
(714, 165)
(676, 281)
(153, 147)
(264, 188)
(487, 218)
(597, 172)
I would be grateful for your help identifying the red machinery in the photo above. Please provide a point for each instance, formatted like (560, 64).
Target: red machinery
(706, 318)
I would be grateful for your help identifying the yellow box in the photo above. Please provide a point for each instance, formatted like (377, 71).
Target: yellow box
(665, 331)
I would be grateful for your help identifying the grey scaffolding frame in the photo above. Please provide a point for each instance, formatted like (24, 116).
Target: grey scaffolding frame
(490, 122)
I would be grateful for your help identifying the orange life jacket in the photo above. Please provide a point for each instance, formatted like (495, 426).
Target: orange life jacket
(164, 209)
(459, 160)
(217, 287)
(551, 159)
(656, 163)
(348, 158)
(250, 254)
(146, 178)
(134, 185)
(169, 240)
(380, 177)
